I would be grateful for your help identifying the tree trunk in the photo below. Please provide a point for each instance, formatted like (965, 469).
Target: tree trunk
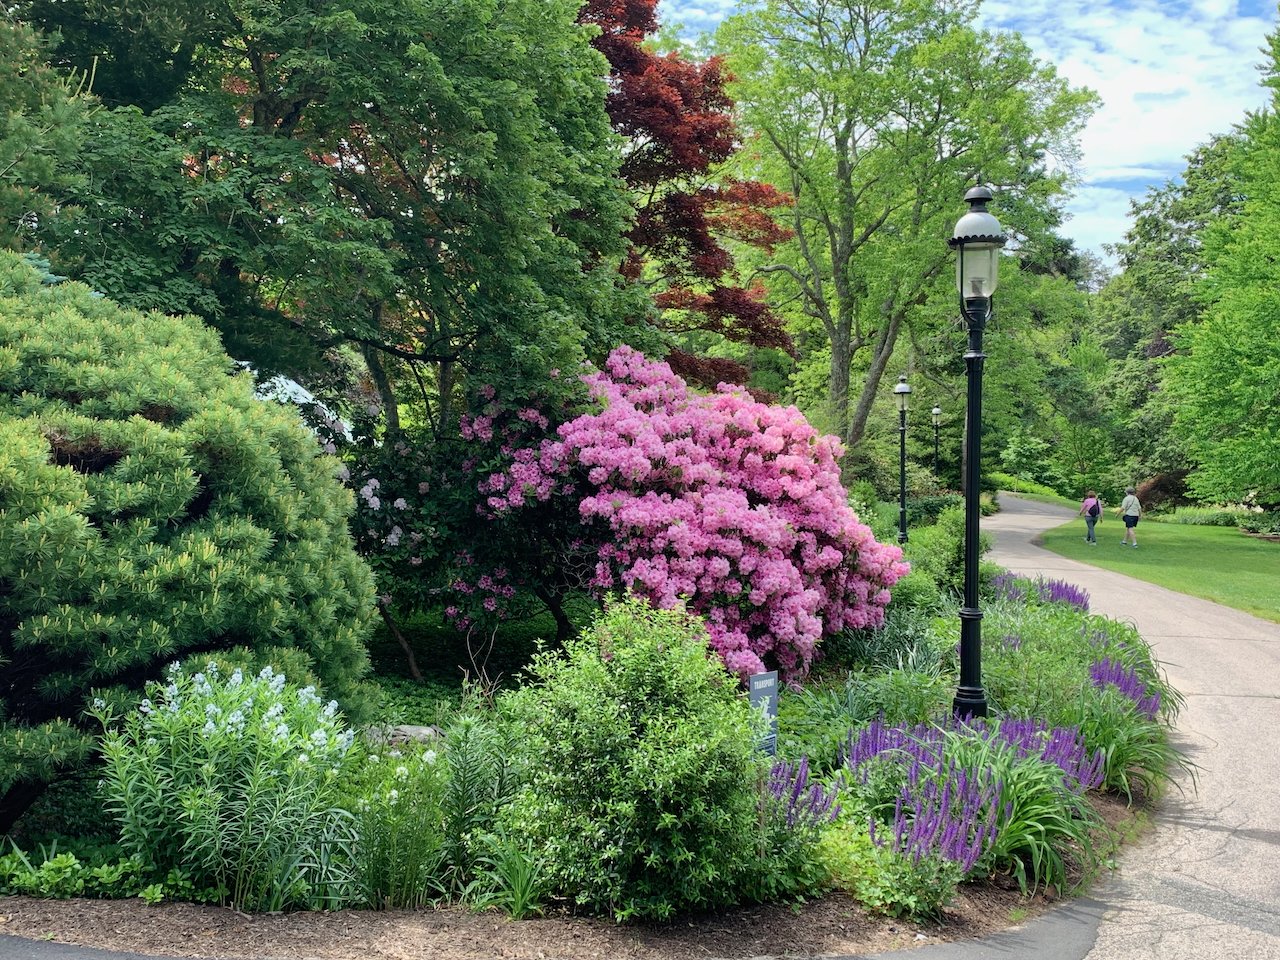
(17, 800)
(838, 388)
(385, 393)
(400, 639)
(885, 342)
(554, 602)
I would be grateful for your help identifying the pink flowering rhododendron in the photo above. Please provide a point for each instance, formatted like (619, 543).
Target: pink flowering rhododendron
(727, 504)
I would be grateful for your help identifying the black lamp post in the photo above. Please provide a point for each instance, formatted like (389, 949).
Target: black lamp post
(937, 419)
(902, 394)
(977, 240)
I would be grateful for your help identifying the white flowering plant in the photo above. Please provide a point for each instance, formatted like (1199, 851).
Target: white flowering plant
(237, 781)
(396, 800)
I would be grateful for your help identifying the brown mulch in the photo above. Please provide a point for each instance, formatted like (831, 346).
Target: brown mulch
(833, 925)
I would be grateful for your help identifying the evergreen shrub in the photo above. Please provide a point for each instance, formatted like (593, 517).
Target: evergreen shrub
(150, 508)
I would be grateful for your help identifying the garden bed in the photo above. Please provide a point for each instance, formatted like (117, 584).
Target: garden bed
(834, 924)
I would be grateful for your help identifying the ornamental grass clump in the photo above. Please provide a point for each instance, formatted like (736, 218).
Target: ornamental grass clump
(234, 782)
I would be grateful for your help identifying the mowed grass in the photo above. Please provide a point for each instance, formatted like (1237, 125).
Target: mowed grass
(1215, 563)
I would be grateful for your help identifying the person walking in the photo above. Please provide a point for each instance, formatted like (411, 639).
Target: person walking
(1091, 510)
(1130, 509)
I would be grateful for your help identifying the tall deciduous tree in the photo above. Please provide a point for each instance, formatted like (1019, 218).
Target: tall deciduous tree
(1225, 376)
(875, 115)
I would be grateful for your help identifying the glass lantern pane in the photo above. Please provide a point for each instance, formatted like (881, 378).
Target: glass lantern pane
(976, 267)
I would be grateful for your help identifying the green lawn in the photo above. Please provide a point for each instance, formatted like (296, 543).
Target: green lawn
(1216, 563)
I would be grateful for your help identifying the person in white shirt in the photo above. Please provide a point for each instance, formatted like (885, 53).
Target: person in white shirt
(1130, 510)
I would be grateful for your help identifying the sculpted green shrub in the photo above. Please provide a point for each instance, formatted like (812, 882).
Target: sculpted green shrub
(643, 777)
(150, 509)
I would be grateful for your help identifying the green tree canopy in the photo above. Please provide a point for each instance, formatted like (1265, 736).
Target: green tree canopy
(41, 113)
(432, 185)
(875, 115)
(1226, 373)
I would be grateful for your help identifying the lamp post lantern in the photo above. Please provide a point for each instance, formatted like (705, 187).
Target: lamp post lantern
(902, 394)
(977, 240)
(937, 420)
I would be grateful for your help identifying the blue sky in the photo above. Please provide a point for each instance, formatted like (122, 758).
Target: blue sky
(1170, 73)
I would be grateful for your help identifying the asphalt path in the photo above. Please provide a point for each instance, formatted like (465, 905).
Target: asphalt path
(1205, 882)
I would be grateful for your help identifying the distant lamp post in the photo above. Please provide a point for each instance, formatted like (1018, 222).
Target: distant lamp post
(902, 394)
(977, 240)
(937, 420)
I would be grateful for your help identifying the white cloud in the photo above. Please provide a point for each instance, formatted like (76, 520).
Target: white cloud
(1171, 74)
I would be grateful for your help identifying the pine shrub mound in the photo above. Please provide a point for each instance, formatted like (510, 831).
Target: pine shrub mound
(150, 508)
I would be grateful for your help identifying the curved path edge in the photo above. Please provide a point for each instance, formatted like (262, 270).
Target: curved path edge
(1205, 882)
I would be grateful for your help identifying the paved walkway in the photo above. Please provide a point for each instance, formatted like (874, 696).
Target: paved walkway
(1206, 881)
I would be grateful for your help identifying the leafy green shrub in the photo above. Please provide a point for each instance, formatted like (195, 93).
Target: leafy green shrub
(1266, 523)
(237, 781)
(149, 506)
(917, 591)
(923, 509)
(642, 768)
(1007, 481)
(938, 551)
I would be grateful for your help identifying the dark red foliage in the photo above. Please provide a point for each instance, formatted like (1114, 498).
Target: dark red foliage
(1164, 490)
(711, 371)
(736, 313)
(678, 121)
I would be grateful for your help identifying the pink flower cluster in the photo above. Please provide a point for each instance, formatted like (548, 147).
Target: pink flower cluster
(728, 504)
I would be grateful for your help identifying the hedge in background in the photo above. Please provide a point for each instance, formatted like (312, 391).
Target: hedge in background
(150, 509)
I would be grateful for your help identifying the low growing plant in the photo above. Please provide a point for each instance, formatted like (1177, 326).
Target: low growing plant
(794, 809)
(883, 880)
(236, 781)
(1002, 796)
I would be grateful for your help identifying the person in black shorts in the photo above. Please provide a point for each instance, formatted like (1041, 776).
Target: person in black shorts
(1130, 510)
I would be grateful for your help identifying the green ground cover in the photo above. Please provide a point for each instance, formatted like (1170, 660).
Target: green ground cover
(1214, 563)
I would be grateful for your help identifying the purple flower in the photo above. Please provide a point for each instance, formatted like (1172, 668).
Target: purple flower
(795, 798)
(1108, 672)
(1016, 589)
